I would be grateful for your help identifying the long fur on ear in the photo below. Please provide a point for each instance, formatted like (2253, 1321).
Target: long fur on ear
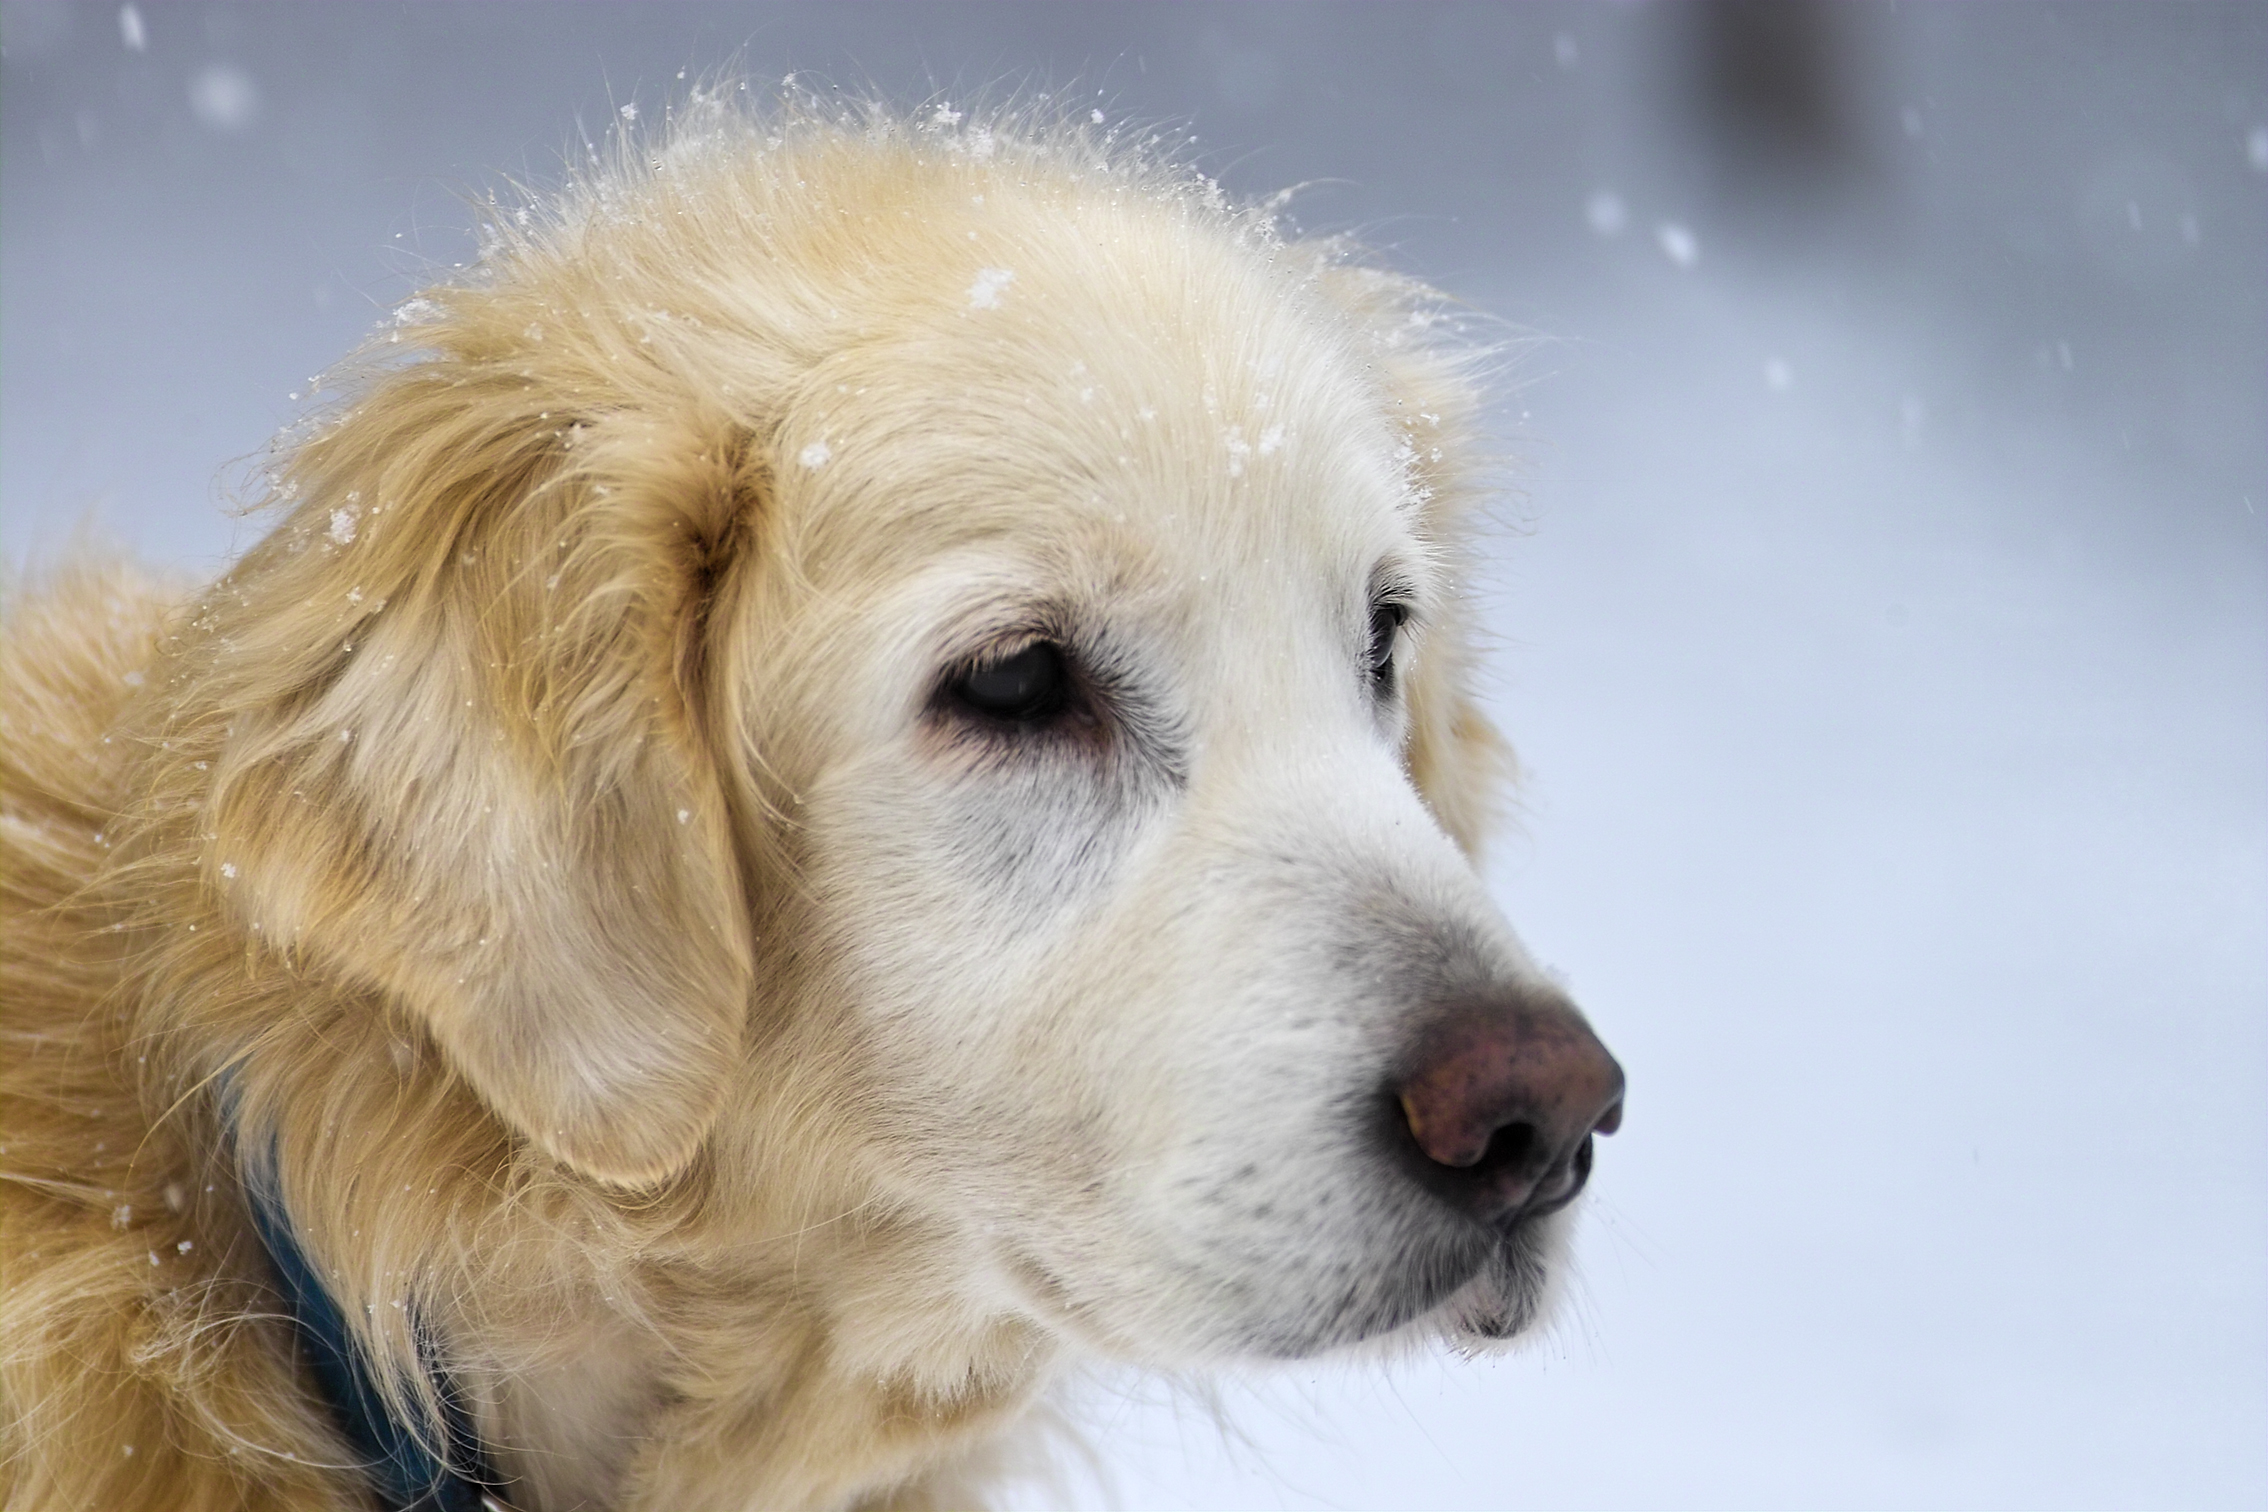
(477, 774)
(1457, 760)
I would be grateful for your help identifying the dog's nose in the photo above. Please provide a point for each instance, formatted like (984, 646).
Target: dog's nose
(1501, 1097)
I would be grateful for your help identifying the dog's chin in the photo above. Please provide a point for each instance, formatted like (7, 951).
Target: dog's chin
(1477, 1295)
(1509, 1294)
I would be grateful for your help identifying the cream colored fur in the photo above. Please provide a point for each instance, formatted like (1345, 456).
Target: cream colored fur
(545, 848)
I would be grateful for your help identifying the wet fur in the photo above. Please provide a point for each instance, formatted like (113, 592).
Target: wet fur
(446, 861)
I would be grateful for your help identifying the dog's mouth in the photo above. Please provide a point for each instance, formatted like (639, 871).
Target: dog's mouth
(1506, 1294)
(1477, 1290)
(1497, 1292)
(1471, 1285)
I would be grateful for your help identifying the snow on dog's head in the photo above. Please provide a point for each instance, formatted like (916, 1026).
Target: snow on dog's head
(953, 693)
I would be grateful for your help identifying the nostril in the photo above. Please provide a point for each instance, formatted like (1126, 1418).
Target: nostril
(1510, 1148)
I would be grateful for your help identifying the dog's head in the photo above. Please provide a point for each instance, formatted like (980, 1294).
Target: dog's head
(955, 641)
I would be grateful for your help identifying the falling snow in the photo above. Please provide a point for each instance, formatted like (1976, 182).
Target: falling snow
(1657, 362)
(1238, 450)
(224, 98)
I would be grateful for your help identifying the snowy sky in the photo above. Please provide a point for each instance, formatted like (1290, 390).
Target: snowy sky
(1882, 618)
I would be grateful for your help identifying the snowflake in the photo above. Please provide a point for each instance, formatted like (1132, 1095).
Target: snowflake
(984, 293)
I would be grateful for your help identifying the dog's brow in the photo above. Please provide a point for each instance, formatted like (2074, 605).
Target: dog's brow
(1000, 625)
(1393, 581)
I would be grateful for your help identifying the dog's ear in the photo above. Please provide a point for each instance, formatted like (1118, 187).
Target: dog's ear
(469, 763)
(1457, 760)
(1459, 763)
(1426, 371)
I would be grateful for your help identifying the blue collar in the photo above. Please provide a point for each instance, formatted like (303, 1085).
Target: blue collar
(404, 1469)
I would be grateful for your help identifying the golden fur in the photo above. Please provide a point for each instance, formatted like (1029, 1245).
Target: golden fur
(465, 858)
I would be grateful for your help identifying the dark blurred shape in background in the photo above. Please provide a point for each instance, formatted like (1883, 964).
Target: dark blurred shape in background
(1772, 80)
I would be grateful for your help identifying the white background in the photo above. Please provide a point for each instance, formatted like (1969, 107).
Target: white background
(1882, 614)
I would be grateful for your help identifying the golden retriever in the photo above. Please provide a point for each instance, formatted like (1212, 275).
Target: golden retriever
(848, 775)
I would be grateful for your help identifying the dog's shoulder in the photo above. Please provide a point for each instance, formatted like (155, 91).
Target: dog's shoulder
(137, 1368)
(75, 651)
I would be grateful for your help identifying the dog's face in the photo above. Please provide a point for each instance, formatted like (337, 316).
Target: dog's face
(1060, 737)
(1094, 723)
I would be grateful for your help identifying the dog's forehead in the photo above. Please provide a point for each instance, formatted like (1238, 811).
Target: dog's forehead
(1133, 386)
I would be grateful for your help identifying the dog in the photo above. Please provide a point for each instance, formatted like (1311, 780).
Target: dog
(850, 774)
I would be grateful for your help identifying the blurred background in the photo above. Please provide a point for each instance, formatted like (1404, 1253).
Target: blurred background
(1880, 603)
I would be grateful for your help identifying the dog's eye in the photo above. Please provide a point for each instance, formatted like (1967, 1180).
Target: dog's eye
(1029, 687)
(1386, 617)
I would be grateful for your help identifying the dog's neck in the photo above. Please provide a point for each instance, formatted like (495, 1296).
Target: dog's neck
(592, 1411)
(407, 1473)
(787, 1372)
